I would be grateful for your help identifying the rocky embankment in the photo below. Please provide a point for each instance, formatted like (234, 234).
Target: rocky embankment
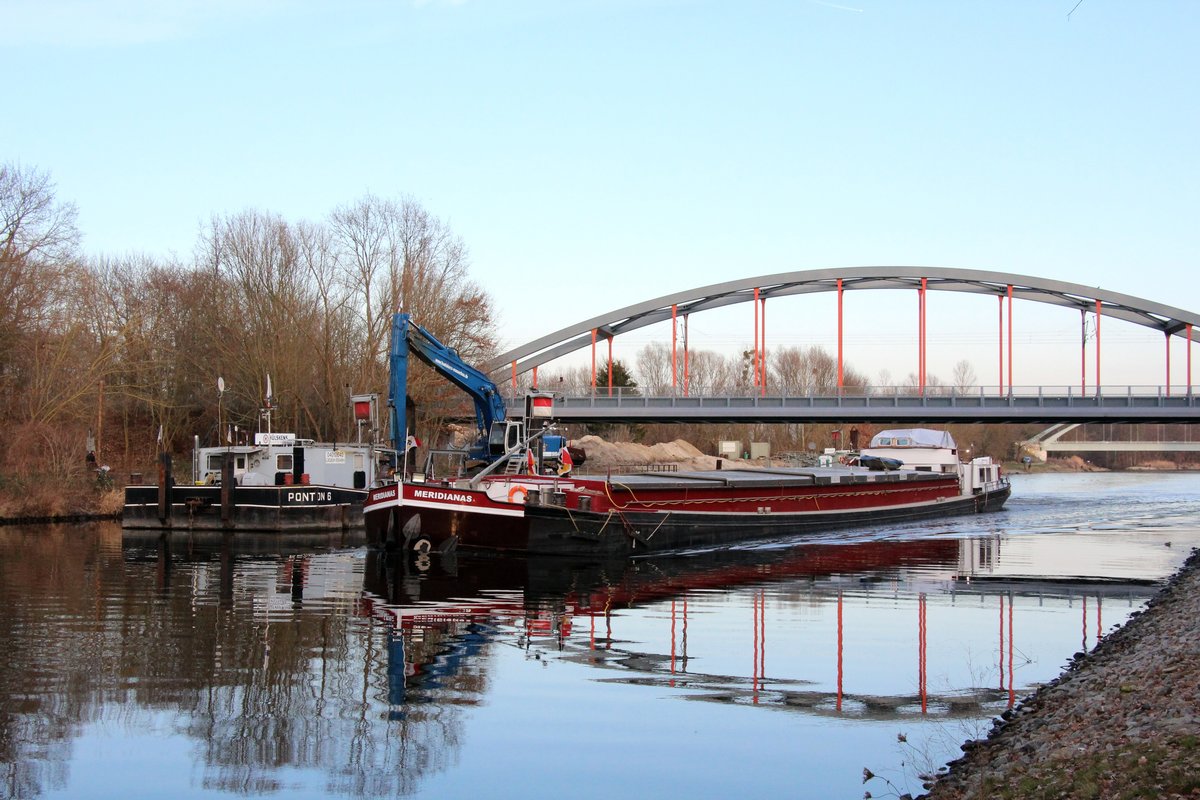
(1122, 722)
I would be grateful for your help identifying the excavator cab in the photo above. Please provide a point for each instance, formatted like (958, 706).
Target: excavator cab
(505, 436)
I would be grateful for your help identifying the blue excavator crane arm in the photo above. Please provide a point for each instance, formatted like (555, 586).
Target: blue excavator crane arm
(408, 338)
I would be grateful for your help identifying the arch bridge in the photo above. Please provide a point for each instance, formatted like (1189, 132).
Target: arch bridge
(1003, 402)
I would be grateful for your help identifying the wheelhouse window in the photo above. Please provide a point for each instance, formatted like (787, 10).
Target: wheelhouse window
(283, 461)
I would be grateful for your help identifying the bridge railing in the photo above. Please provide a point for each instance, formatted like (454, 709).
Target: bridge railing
(991, 394)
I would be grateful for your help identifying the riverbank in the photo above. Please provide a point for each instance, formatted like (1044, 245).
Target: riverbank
(1123, 721)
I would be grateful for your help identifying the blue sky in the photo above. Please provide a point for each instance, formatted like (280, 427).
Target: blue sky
(596, 154)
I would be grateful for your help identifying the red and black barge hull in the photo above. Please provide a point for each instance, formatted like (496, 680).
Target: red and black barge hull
(638, 514)
(559, 531)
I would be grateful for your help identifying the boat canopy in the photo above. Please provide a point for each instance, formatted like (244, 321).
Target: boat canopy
(913, 437)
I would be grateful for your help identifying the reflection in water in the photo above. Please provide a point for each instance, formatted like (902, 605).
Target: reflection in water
(325, 669)
(257, 658)
(560, 596)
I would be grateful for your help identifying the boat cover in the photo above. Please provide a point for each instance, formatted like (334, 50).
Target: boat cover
(913, 437)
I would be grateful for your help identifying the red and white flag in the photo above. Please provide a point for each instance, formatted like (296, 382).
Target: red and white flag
(565, 462)
(530, 462)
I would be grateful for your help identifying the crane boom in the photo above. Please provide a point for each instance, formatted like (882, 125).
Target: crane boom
(410, 338)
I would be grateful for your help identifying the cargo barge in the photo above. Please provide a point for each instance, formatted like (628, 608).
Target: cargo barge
(604, 516)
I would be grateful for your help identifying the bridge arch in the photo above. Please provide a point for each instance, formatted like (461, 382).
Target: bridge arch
(1168, 319)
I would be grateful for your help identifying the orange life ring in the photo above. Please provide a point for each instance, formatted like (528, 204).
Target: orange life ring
(517, 490)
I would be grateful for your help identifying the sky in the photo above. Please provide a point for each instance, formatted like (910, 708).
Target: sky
(594, 154)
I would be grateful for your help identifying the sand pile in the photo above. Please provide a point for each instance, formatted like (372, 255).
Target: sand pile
(603, 455)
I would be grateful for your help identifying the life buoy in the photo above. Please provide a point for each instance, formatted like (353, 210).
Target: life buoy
(517, 490)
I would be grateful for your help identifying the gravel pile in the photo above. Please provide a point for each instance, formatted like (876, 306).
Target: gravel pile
(1121, 722)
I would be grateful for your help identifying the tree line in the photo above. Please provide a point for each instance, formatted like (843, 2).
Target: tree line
(113, 352)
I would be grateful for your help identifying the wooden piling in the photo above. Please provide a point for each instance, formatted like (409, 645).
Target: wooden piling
(165, 481)
(227, 490)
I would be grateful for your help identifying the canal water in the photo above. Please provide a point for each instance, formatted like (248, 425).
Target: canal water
(133, 668)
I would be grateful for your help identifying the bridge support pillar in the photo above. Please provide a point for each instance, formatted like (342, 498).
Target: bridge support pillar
(839, 312)
(1000, 342)
(756, 380)
(762, 348)
(1167, 336)
(1010, 323)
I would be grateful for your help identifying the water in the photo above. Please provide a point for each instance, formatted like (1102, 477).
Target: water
(128, 669)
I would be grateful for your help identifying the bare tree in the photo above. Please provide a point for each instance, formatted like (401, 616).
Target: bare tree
(654, 368)
(37, 243)
(38, 238)
(396, 256)
(811, 370)
(711, 373)
(162, 327)
(963, 376)
(49, 364)
(335, 342)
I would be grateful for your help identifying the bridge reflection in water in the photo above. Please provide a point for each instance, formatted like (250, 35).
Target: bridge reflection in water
(561, 597)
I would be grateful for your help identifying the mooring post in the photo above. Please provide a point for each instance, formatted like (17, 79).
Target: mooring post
(164, 488)
(227, 490)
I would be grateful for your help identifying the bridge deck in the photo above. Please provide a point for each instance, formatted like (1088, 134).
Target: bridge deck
(1049, 408)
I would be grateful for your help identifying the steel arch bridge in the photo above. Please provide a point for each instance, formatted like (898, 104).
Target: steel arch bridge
(1003, 285)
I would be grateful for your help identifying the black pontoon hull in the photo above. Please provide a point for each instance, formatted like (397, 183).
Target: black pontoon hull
(253, 508)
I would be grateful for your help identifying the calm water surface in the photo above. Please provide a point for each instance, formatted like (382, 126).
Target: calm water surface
(133, 669)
